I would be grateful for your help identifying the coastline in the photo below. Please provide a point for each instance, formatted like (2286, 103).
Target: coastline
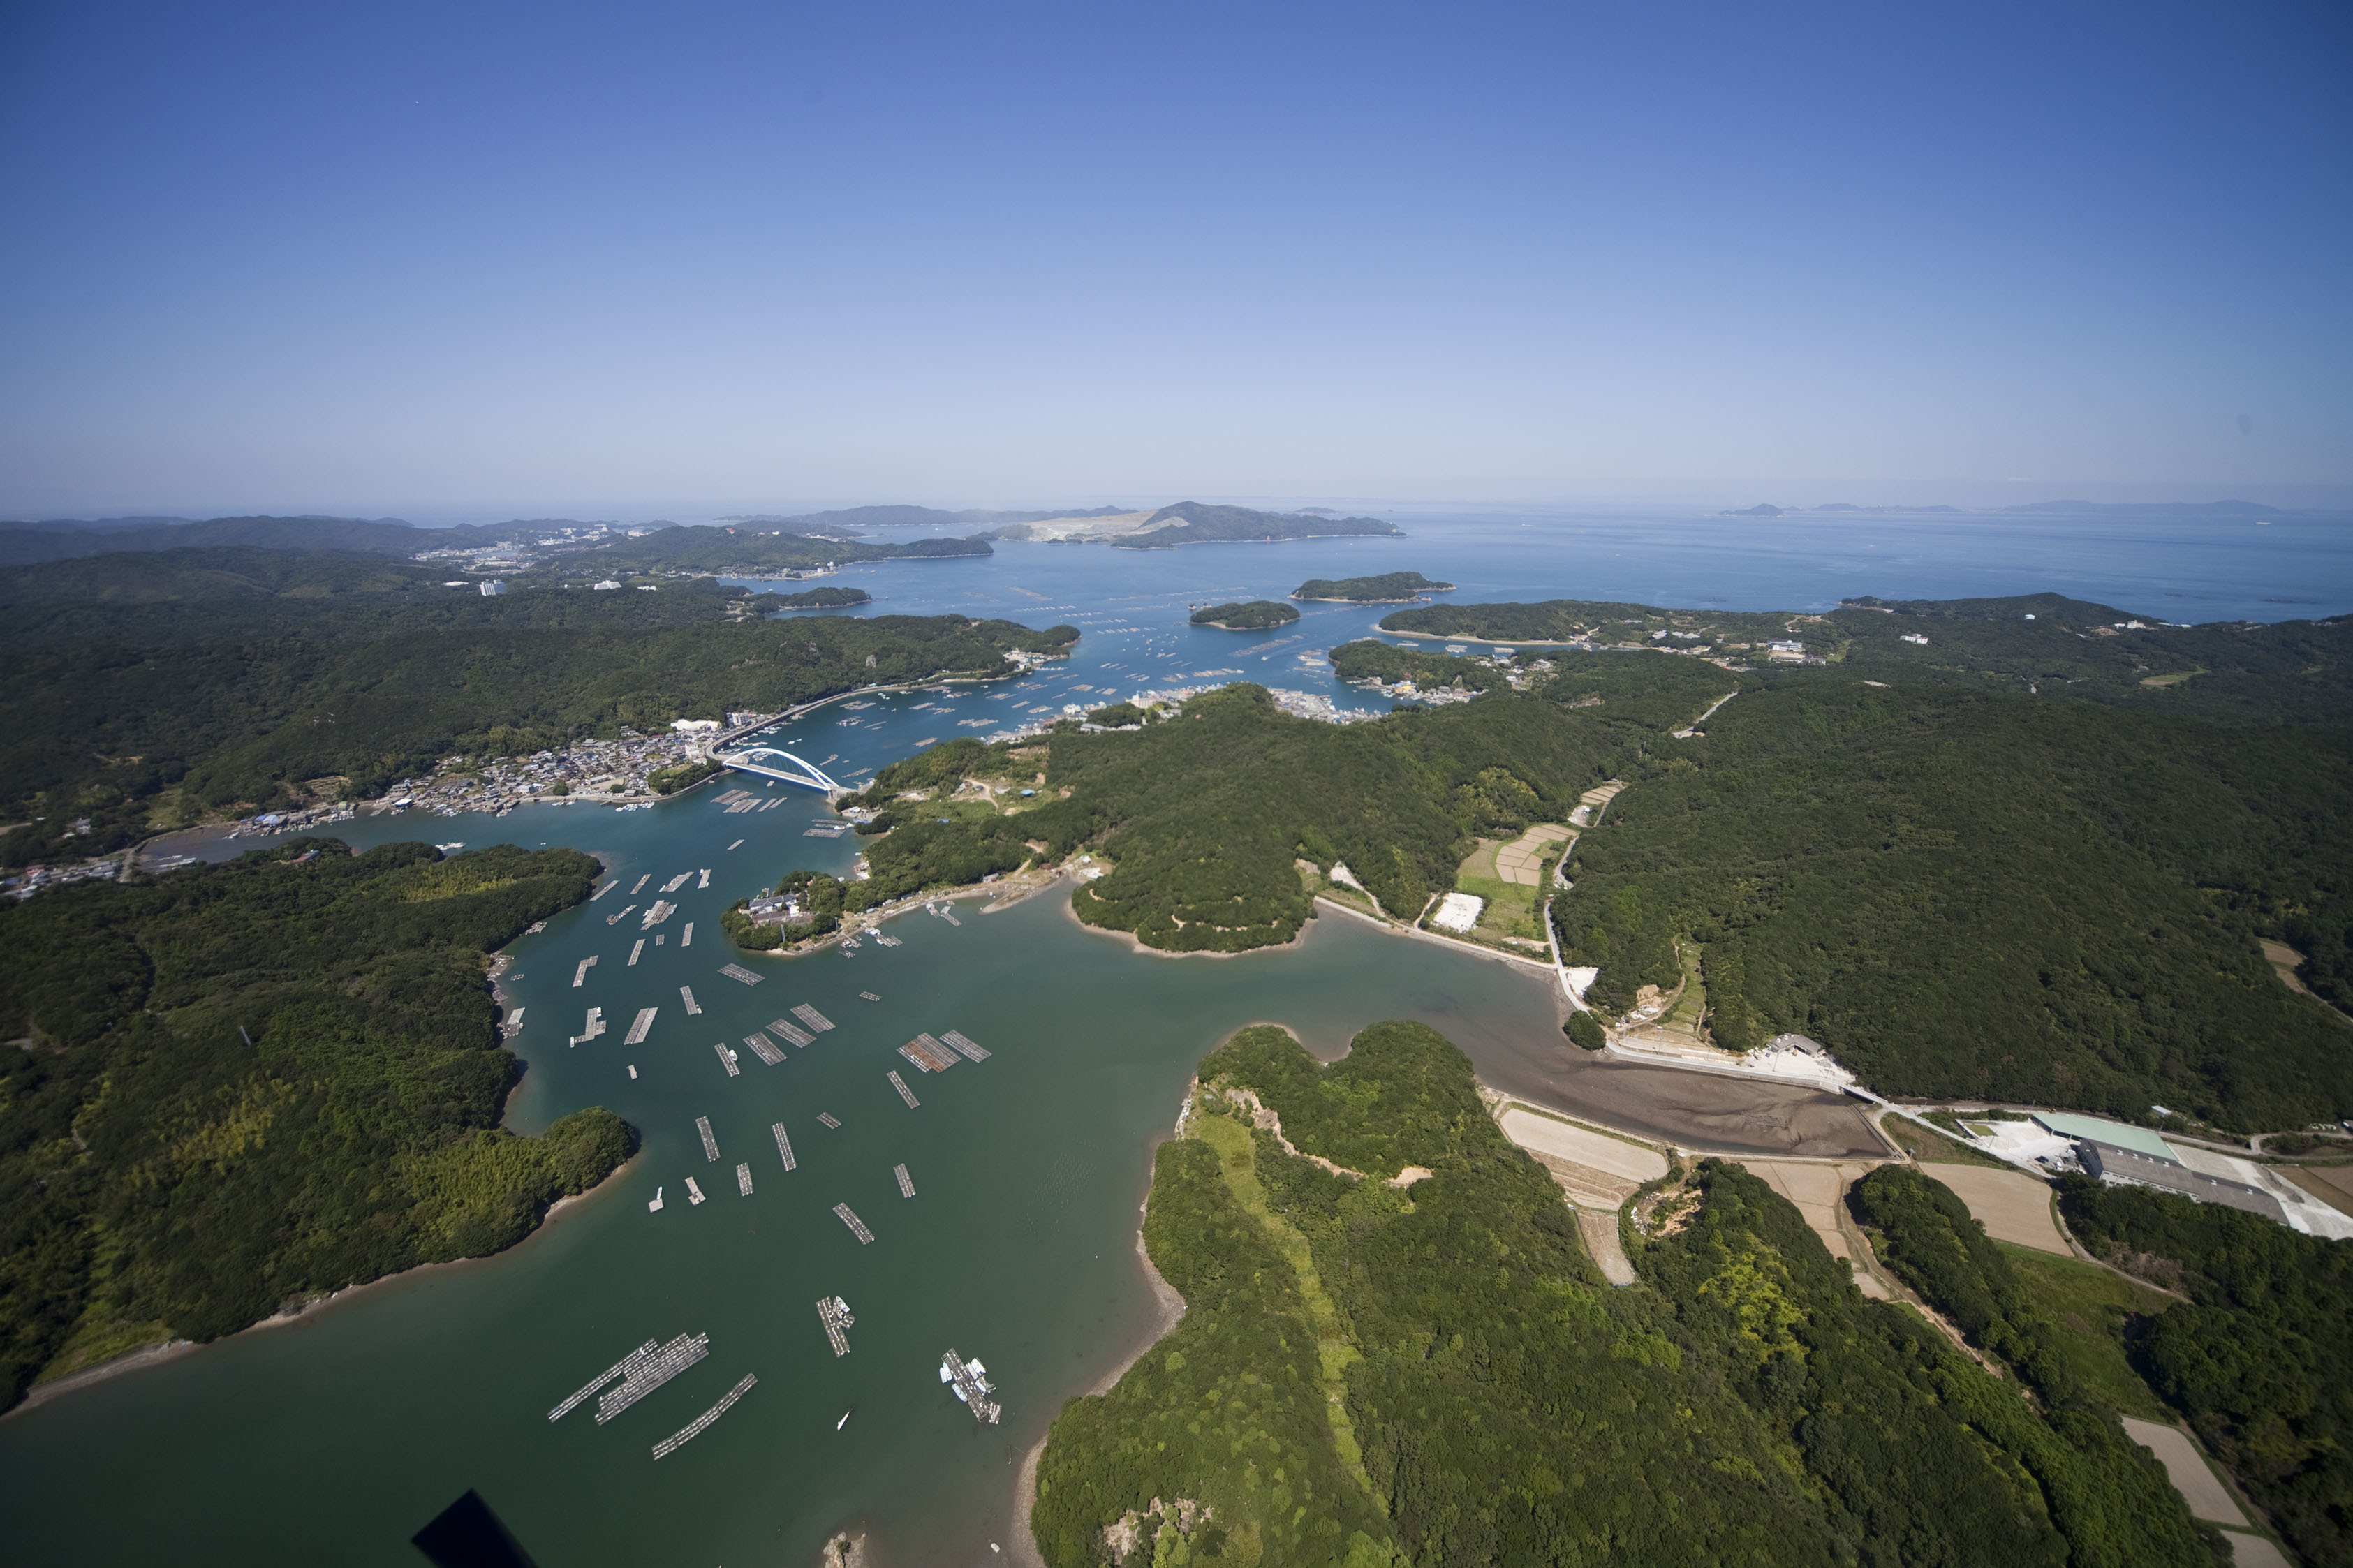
(155, 1354)
(218, 829)
(1169, 1312)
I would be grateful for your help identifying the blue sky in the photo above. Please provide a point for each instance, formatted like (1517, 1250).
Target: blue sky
(496, 259)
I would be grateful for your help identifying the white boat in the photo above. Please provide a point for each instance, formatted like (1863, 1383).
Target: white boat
(844, 1421)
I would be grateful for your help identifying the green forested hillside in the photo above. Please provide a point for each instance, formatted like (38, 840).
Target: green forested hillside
(228, 698)
(1961, 894)
(745, 552)
(1485, 1398)
(2234, 672)
(2091, 1469)
(1204, 818)
(1963, 889)
(386, 536)
(1603, 622)
(2261, 1359)
(247, 1082)
(224, 573)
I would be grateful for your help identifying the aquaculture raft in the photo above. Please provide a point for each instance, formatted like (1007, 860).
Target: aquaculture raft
(856, 1227)
(906, 1183)
(764, 1048)
(928, 1054)
(638, 1031)
(743, 1178)
(694, 1007)
(834, 1314)
(737, 972)
(727, 1058)
(789, 1032)
(620, 1368)
(813, 1019)
(783, 1144)
(710, 1144)
(968, 1381)
(904, 1092)
(649, 1370)
(971, 1051)
(693, 1430)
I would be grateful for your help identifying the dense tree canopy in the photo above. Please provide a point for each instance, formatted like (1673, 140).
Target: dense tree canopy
(2049, 901)
(1257, 616)
(2261, 1361)
(1484, 1398)
(1387, 588)
(243, 1082)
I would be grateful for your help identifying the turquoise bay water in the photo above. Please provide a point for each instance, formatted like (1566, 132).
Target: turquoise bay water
(333, 1437)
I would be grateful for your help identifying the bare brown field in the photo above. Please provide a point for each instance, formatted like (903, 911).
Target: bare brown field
(2012, 1205)
(2284, 962)
(1520, 860)
(2332, 1184)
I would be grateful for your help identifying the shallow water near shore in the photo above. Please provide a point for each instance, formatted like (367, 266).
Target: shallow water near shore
(332, 1437)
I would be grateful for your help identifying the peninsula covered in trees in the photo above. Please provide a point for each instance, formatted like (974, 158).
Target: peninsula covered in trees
(242, 1085)
(155, 688)
(1257, 616)
(1372, 1372)
(1389, 588)
(1960, 879)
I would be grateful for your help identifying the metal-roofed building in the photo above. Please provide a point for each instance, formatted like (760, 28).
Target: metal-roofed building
(2118, 1152)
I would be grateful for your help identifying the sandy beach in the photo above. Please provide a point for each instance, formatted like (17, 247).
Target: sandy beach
(1170, 1308)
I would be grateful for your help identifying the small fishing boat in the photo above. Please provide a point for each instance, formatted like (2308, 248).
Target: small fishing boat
(845, 1419)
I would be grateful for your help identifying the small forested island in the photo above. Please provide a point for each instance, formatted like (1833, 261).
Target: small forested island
(239, 1086)
(1396, 1349)
(828, 598)
(1389, 588)
(1256, 615)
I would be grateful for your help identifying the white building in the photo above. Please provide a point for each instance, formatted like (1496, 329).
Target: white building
(1458, 912)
